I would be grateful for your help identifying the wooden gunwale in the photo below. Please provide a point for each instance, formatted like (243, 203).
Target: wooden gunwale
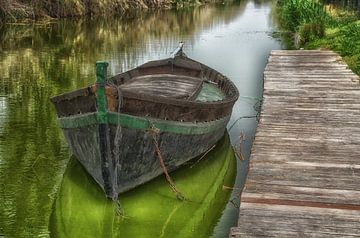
(134, 122)
(169, 101)
(83, 100)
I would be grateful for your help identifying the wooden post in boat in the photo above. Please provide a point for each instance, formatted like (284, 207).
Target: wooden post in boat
(101, 68)
(104, 141)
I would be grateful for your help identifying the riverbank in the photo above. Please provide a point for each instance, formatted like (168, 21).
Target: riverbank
(314, 26)
(19, 10)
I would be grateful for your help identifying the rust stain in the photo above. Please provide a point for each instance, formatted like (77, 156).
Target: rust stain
(271, 201)
(111, 99)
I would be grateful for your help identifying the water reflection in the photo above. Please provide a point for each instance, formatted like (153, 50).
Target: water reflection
(41, 60)
(240, 50)
(150, 210)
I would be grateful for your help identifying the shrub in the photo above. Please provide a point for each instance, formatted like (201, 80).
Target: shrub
(311, 31)
(307, 18)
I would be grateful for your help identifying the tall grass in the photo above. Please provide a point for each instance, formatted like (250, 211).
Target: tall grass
(324, 26)
(344, 39)
(306, 18)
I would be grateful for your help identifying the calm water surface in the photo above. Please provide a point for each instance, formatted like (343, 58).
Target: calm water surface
(39, 61)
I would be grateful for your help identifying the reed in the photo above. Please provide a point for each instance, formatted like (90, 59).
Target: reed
(327, 26)
(344, 39)
(14, 10)
(306, 18)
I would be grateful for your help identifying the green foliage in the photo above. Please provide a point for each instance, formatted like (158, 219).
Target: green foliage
(349, 36)
(294, 13)
(307, 18)
(311, 31)
(319, 26)
(344, 39)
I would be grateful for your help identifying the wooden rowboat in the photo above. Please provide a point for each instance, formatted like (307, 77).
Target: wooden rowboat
(129, 129)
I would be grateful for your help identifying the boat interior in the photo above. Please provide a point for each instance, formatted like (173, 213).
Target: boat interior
(178, 89)
(174, 86)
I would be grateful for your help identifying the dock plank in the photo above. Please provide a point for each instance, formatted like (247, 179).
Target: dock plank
(304, 172)
(278, 221)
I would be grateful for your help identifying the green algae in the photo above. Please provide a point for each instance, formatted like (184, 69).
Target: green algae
(151, 210)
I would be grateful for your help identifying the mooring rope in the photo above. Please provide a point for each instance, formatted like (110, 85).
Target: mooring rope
(257, 108)
(119, 211)
(118, 133)
(116, 151)
(237, 195)
(154, 132)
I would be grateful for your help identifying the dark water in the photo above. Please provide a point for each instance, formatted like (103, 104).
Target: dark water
(41, 60)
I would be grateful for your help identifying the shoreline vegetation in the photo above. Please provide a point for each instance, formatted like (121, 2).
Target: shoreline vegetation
(327, 25)
(35, 10)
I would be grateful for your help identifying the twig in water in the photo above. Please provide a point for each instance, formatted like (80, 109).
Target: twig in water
(238, 195)
(238, 149)
(232, 125)
(210, 149)
(224, 187)
(234, 204)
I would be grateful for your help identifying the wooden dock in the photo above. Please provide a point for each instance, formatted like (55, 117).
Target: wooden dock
(304, 175)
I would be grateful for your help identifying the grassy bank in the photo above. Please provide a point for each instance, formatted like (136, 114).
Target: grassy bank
(314, 25)
(15, 10)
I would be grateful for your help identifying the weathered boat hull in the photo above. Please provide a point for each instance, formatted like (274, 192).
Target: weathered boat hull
(137, 161)
(130, 128)
(151, 206)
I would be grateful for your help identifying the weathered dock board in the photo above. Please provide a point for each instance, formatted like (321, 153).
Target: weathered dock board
(304, 175)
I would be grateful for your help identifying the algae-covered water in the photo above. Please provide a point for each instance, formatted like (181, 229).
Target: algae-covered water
(38, 61)
(151, 210)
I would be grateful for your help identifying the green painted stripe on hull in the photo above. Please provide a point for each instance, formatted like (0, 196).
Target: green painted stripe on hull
(134, 122)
